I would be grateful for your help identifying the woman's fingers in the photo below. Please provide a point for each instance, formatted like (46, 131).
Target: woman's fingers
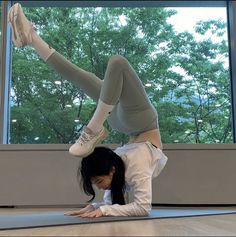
(76, 213)
(85, 212)
(96, 213)
(88, 215)
(73, 213)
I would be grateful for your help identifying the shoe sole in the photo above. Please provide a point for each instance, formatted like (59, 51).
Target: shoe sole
(103, 137)
(14, 20)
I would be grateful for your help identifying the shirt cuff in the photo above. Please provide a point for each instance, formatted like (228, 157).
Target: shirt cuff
(103, 210)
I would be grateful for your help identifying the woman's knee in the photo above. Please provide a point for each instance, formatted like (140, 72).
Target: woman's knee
(117, 60)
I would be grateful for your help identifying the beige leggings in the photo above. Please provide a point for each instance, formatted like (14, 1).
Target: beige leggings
(133, 113)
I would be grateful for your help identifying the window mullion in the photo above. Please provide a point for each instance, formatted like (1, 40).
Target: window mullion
(5, 74)
(231, 10)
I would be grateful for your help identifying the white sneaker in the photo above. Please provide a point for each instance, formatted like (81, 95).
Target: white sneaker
(87, 142)
(22, 28)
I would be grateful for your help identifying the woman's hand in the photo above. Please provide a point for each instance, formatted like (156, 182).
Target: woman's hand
(89, 208)
(92, 214)
(88, 212)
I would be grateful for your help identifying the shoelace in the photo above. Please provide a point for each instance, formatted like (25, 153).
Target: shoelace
(84, 137)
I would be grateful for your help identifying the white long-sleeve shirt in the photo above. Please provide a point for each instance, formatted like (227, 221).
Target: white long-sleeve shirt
(143, 162)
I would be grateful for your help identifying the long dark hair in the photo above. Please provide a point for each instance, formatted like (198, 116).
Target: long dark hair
(99, 163)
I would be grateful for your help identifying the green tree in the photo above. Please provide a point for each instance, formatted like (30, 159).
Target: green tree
(89, 37)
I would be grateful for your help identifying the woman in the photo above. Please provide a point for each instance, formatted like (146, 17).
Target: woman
(122, 101)
(128, 169)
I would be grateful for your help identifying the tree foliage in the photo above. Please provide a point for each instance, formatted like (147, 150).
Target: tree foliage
(189, 79)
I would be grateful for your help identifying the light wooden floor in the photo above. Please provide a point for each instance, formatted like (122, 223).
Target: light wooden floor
(219, 225)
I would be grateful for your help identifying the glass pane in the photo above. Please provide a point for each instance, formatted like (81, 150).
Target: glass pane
(0, 37)
(180, 54)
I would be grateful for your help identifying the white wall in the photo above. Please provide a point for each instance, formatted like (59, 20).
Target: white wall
(198, 174)
(46, 175)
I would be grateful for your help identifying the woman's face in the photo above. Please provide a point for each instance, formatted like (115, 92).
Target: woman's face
(103, 181)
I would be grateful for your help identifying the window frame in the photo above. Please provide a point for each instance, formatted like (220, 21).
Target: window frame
(7, 58)
(231, 20)
(132, 3)
(5, 77)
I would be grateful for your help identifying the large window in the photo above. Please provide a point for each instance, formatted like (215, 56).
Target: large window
(180, 54)
(0, 37)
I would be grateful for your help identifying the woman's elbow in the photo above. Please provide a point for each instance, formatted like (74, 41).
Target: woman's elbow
(144, 210)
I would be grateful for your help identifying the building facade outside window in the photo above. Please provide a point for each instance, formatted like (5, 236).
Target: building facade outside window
(183, 65)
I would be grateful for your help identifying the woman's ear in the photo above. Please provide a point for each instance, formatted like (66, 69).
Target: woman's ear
(113, 170)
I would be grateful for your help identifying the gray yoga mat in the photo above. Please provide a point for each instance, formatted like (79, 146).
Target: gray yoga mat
(20, 221)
